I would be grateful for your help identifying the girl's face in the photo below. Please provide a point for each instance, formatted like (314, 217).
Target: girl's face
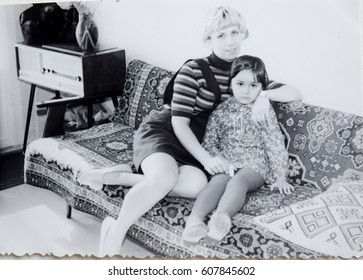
(226, 43)
(245, 87)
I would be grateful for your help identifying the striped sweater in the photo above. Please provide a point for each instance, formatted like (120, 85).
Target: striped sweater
(190, 93)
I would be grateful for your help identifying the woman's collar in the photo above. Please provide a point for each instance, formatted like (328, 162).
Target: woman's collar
(219, 63)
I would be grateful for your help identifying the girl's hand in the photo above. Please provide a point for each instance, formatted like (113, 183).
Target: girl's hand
(260, 110)
(217, 164)
(282, 186)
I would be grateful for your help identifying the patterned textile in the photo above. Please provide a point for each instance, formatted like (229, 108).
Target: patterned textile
(143, 93)
(324, 145)
(161, 228)
(330, 223)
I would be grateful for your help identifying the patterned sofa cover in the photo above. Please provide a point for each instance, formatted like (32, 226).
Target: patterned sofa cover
(325, 149)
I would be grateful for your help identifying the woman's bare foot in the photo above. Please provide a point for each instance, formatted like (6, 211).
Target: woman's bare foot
(94, 178)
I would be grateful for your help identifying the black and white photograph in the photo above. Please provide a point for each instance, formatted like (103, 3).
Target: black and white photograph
(181, 129)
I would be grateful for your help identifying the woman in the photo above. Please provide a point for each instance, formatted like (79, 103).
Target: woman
(167, 147)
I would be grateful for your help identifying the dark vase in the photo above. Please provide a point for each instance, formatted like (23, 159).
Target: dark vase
(86, 32)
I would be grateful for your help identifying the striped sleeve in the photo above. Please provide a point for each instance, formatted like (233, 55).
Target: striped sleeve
(185, 92)
(273, 85)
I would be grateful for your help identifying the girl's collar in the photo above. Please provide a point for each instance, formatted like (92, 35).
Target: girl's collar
(219, 63)
(239, 104)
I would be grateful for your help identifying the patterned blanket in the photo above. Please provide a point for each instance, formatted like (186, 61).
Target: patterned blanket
(161, 228)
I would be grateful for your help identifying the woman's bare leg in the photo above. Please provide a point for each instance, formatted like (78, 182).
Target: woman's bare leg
(95, 178)
(191, 181)
(160, 175)
(122, 178)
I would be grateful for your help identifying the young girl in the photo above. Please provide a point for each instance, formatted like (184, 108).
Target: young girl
(254, 153)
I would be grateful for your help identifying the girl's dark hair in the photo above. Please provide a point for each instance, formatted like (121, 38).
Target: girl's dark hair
(247, 62)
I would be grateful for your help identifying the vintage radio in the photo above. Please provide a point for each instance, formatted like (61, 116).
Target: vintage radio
(65, 68)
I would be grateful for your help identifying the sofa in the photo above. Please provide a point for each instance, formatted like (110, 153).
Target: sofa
(323, 217)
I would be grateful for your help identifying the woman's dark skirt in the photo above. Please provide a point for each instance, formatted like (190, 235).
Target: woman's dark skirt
(156, 135)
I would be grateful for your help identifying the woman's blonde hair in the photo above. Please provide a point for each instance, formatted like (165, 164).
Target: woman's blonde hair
(223, 17)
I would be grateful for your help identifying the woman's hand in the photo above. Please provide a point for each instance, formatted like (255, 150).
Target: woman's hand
(260, 110)
(217, 164)
(282, 186)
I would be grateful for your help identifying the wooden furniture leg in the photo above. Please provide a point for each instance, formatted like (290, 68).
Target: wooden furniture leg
(55, 117)
(29, 114)
(69, 211)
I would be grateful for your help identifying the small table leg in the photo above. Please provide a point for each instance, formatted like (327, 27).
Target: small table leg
(29, 114)
(69, 211)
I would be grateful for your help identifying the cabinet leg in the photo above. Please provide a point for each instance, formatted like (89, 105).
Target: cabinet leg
(29, 114)
(55, 118)
(69, 211)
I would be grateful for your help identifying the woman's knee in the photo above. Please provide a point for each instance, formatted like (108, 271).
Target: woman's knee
(191, 181)
(160, 170)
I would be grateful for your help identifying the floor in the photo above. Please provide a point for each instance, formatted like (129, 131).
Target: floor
(33, 221)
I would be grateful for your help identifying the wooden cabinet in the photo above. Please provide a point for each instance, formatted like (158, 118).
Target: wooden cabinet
(73, 74)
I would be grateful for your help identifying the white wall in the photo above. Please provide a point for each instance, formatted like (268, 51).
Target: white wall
(11, 103)
(312, 45)
(14, 95)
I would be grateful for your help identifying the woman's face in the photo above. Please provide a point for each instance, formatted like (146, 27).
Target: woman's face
(245, 87)
(226, 43)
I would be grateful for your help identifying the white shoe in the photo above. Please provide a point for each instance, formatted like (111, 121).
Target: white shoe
(194, 232)
(219, 226)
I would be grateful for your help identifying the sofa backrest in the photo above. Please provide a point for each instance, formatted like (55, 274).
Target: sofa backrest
(143, 93)
(324, 145)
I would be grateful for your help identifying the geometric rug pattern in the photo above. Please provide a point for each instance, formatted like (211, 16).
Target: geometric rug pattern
(330, 223)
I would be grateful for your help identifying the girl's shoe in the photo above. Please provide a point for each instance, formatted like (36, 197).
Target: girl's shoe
(94, 178)
(219, 226)
(194, 232)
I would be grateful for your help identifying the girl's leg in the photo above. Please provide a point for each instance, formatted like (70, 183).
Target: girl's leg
(232, 201)
(191, 181)
(160, 175)
(234, 197)
(207, 200)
